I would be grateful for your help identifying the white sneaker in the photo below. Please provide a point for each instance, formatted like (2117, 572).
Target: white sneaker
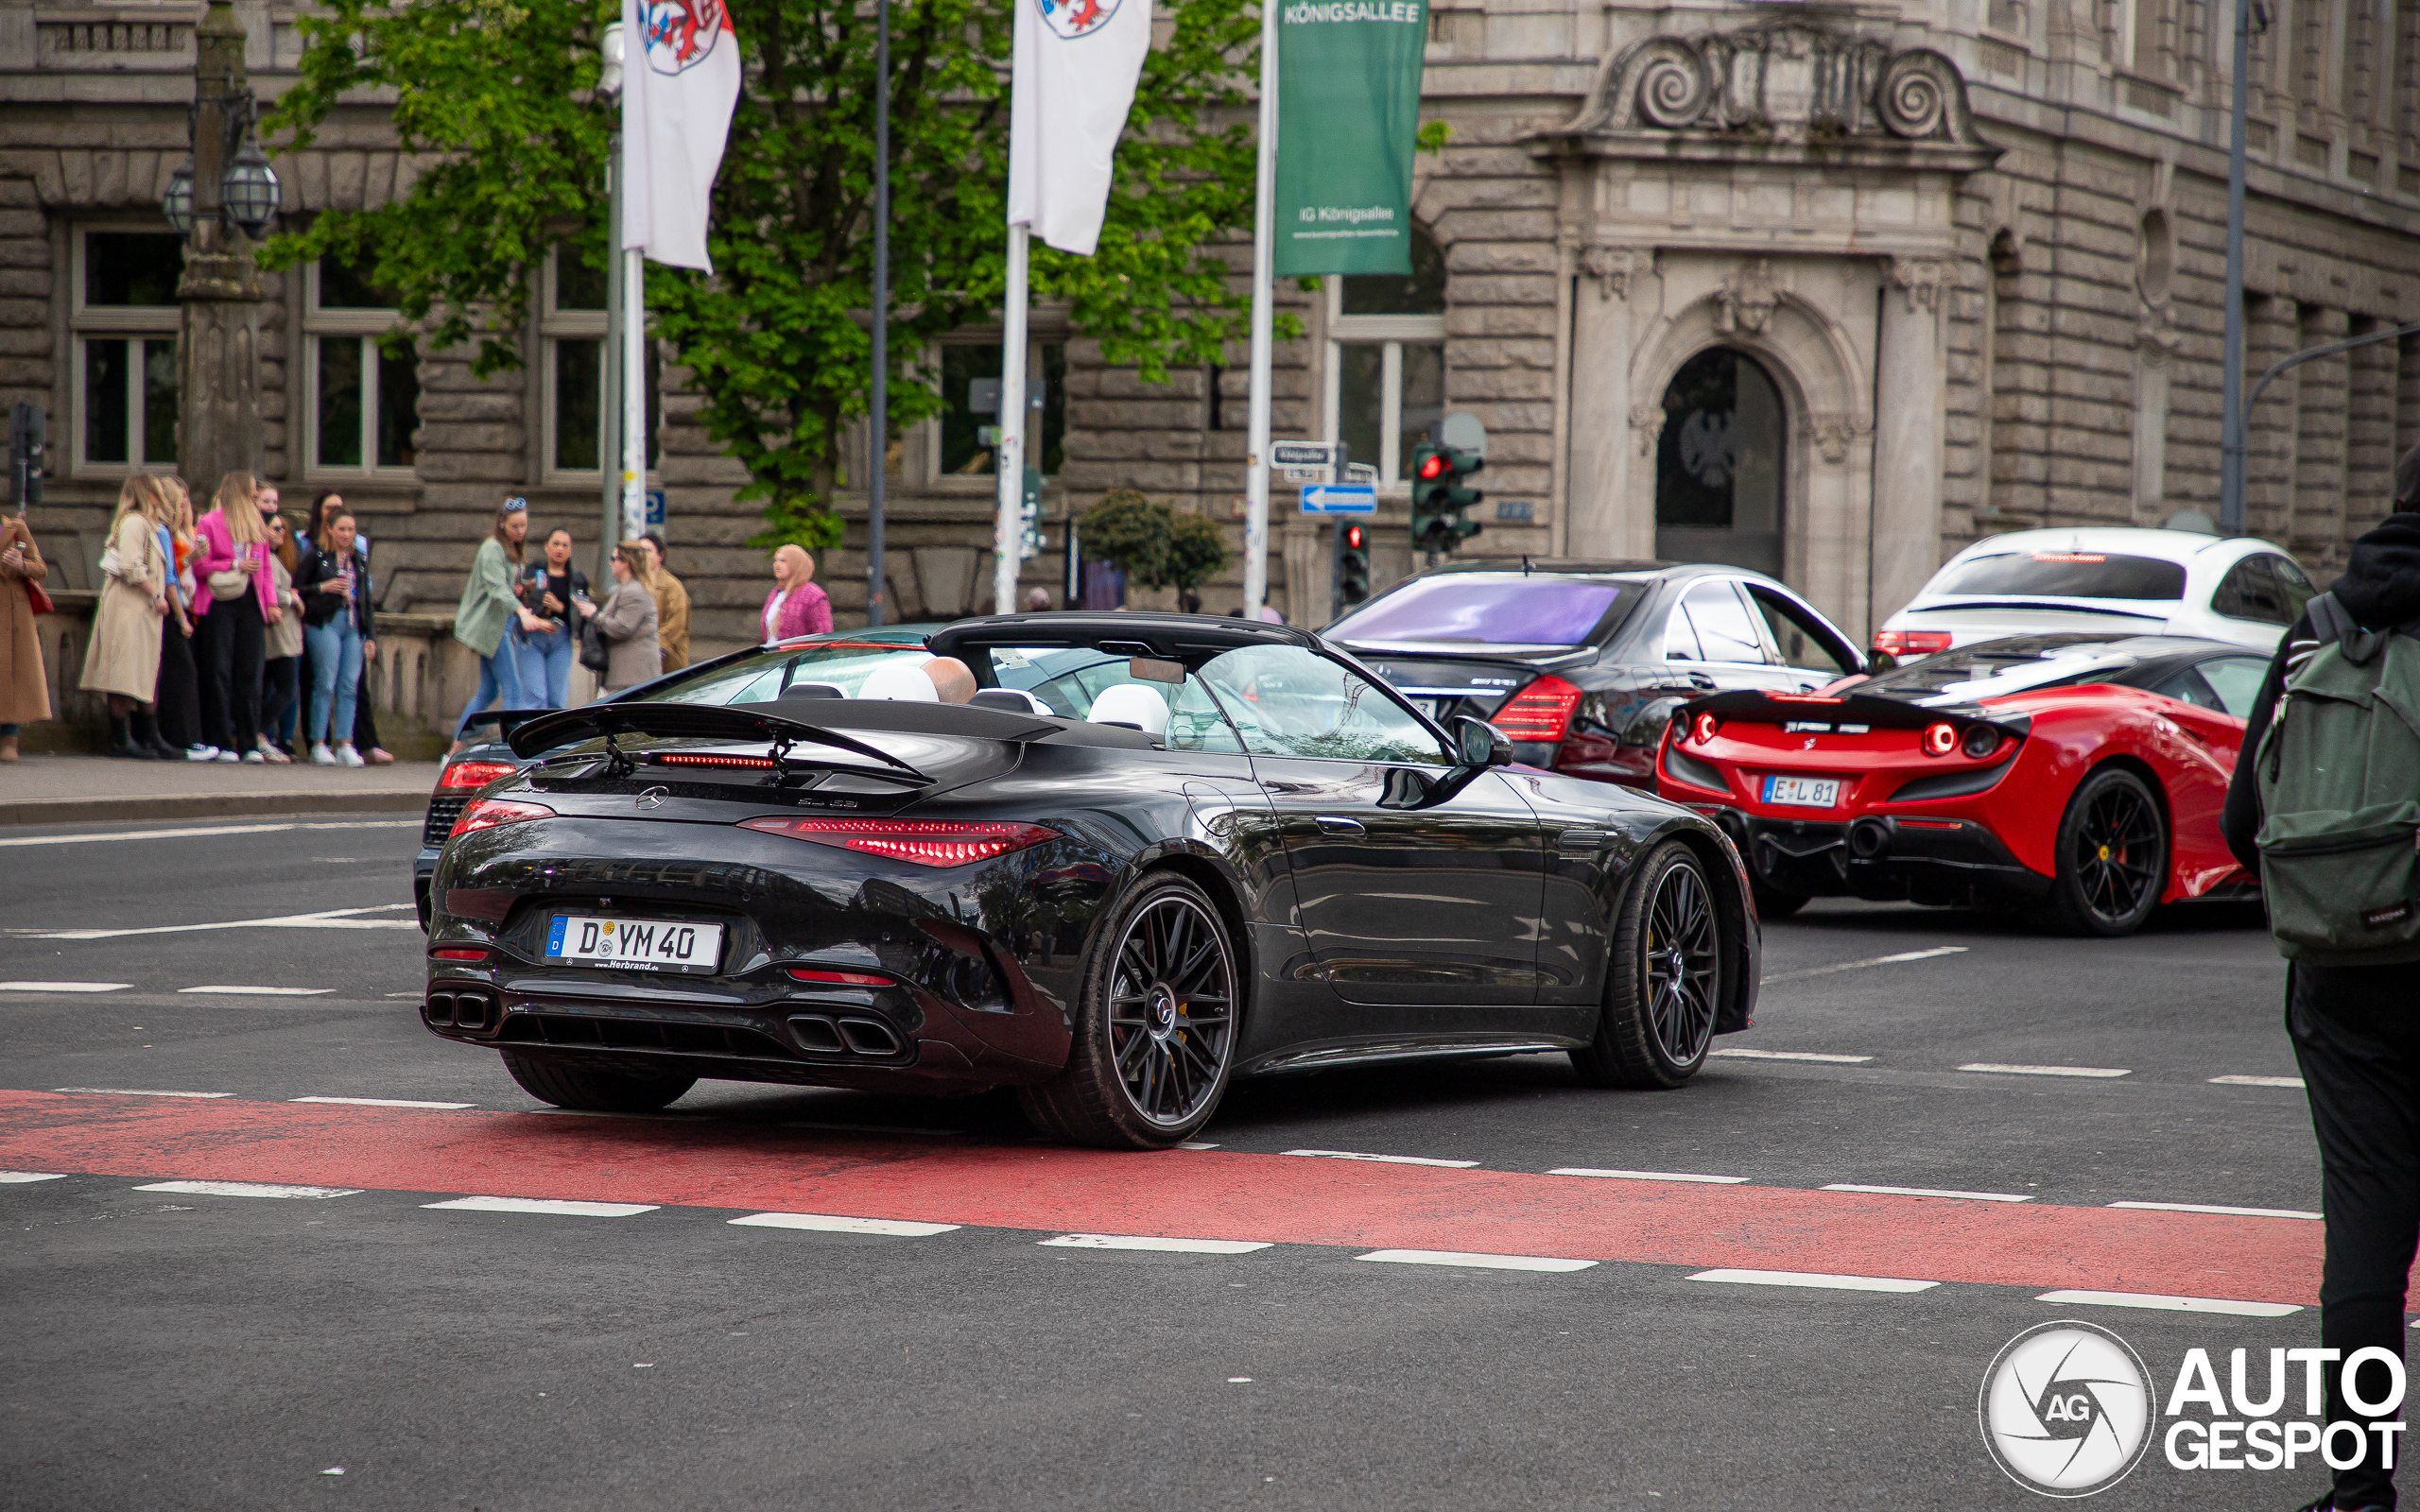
(201, 753)
(320, 755)
(351, 757)
(225, 756)
(253, 757)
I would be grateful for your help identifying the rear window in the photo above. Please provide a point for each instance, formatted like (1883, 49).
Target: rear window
(1992, 669)
(2069, 575)
(1487, 611)
(760, 679)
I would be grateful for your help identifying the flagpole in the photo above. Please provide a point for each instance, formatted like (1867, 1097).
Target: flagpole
(609, 369)
(1008, 532)
(1262, 262)
(876, 579)
(633, 393)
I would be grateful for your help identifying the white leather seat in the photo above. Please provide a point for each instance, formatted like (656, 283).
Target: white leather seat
(900, 684)
(1009, 700)
(1131, 703)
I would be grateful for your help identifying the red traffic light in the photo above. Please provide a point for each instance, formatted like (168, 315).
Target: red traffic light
(1352, 538)
(1431, 465)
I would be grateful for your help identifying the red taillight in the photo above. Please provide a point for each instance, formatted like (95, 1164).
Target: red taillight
(1542, 711)
(1801, 697)
(683, 759)
(1910, 642)
(487, 812)
(1940, 740)
(1704, 728)
(926, 842)
(839, 978)
(473, 774)
(461, 952)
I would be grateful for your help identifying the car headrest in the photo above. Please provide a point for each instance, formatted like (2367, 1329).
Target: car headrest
(1013, 701)
(900, 684)
(813, 690)
(1131, 703)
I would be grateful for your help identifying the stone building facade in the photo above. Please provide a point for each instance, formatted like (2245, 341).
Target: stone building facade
(1830, 290)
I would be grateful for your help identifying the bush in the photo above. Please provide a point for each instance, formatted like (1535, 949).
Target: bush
(1153, 545)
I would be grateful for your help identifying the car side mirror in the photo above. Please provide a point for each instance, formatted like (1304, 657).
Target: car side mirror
(1480, 743)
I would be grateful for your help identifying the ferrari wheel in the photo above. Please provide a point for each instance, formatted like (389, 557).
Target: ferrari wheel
(594, 1092)
(1663, 982)
(2111, 856)
(1155, 1026)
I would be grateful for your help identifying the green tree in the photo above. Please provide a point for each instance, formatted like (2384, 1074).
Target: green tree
(496, 102)
(1154, 545)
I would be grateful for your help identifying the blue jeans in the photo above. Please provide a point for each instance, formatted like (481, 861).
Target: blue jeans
(499, 684)
(336, 674)
(544, 666)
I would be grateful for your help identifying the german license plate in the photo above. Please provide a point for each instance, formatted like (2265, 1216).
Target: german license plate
(1805, 792)
(634, 944)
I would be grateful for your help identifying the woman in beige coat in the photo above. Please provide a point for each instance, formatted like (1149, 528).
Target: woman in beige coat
(124, 659)
(628, 623)
(24, 691)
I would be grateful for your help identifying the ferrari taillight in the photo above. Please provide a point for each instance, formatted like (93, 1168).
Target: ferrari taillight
(926, 842)
(1979, 741)
(1910, 642)
(1940, 740)
(487, 812)
(1703, 729)
(473, 774)
(1542, 711)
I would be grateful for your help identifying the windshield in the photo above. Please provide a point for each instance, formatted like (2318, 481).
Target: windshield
(1489, 610)
(2069, 575)
(761, 677)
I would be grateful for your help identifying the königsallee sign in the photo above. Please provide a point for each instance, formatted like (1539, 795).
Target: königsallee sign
(1348, 117)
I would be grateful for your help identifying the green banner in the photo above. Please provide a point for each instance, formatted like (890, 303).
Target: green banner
(1348, 116)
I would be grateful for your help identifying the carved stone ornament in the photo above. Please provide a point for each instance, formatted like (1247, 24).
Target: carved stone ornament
(1746, 300)
(1646, 424)
(1611, 267)
(1922, 276)
(1834, 430)
(1787, 80)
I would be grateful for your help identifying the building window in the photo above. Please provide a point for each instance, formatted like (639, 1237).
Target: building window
(571, 325)
(963, 452)
(361, 402)
(126, 314)
(1385, 360)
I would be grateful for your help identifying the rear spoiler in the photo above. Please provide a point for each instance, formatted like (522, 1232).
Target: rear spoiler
(1817, 712)
(686, 721)
(505, 720)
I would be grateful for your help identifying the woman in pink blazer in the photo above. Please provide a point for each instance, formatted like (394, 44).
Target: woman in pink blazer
(796, 605)
(232, 636)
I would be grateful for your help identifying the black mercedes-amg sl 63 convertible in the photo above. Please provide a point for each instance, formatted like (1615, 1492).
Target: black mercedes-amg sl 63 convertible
(1150, 853)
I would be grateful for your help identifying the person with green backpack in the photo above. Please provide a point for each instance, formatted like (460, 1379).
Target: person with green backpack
(2326, 806)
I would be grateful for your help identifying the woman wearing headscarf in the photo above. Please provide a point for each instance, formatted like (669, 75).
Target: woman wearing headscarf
(628, 623)
(24, 689)
(124, 658)
(237, 604)
(488, 608)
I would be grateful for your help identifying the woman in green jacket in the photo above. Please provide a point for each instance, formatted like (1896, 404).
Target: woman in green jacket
(488, 608)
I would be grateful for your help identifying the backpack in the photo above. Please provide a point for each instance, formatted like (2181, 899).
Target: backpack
(2340, 791)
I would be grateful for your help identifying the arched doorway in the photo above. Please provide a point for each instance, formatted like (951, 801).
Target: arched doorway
(1719, 464)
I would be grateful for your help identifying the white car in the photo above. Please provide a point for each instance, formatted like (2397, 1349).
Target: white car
(2153, 582)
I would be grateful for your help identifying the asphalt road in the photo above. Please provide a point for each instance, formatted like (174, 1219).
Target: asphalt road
(192, 1349)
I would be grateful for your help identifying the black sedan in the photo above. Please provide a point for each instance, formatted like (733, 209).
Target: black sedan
(1154, 853)
(1581, 663)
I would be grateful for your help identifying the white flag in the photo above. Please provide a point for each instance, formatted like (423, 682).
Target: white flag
(680, 80)
(1071, 83)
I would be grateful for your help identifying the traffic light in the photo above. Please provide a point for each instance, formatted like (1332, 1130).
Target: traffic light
(1353, 565)
(1439, 497)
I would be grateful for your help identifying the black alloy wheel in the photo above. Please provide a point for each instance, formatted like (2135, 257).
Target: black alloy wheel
(594, 1092)
(1664, 982)
(1155, 1031)
(2111, 856)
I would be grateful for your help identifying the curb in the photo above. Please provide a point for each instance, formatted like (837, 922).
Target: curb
(209, 806)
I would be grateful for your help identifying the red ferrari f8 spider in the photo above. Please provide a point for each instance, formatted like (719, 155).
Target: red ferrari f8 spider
(2079, 775)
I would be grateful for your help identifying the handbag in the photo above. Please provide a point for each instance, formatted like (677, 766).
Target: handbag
(40, 600)
(230, 585)
(593, 654)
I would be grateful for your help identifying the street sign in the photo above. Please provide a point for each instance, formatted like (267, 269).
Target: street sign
(1304, 474)
(1362, 472)
(1347, 498)
(655, 508)
(1462, 431)
(1319, 454)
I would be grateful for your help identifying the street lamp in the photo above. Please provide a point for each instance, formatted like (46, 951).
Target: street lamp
(177, 204)
(224, 195)
(250, 193)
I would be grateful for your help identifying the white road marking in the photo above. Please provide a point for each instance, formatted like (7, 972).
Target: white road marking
(1388, 1160)
(559, 1207)
(14, 1179)
(225, 990)
(208, 830)
(64, 987)
(134, 1091)
(1790, 1055)
(1451, 1257)
(1928, 1192)
(1876, 960)
(326, 919)
(2171, 1304)
(379, 1102)
(2045, 1071)
(1814, 1279)
(2215, 1081)
(1181, 1247)
(1646, 1176)
(826, 1224)
(247, 1189)
(2228, 1212)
